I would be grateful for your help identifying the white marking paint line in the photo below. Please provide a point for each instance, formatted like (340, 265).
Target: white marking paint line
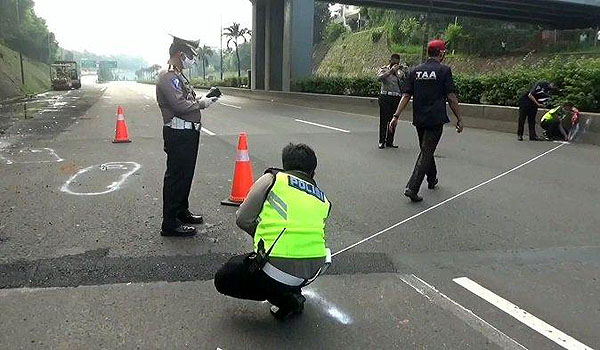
(130, 167)
(228, 105)
(433, 207)
(322, 126)
(208, 132)
(331, 309)
(521, 315)
(440, 299)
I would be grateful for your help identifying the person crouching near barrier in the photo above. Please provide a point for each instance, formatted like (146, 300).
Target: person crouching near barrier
(285, 212)
(558, 122)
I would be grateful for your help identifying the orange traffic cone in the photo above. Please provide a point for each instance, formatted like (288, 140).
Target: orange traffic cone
(121, 133)
(242, 174)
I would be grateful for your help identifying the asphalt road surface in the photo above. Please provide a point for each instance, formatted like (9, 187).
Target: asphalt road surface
(504, 254)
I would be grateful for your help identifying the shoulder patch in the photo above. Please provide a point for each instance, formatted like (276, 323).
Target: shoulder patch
(176, 83)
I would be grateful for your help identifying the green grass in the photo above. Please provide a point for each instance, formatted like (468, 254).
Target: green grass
(37, 75)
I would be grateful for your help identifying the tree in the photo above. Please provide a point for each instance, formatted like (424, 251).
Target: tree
(234, 33)
(321, 19)
(204, 53)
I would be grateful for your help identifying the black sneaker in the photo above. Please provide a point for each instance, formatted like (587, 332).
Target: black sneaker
(381, 146)
(414, 197)
(520, 138)
(433, 184)
(181, 231)
(390, 145)
(294, 306)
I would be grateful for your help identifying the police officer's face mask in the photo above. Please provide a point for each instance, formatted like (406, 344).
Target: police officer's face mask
(187, 62)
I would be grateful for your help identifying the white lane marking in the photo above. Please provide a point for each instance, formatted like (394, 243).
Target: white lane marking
(440, 299)
(521, 315)
(433, 207)
(322, 126)
(147, 97)
(132, 167)
(208, 132)
(331, 309)
(228, 105)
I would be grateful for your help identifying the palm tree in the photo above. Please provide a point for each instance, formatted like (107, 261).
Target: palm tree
(234, 32)
(204, 53)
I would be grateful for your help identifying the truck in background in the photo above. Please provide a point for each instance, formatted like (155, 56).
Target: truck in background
(65, 75)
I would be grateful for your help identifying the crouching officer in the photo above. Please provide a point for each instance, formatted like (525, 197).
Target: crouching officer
(285, 212)
(181, 133)
(558, 122)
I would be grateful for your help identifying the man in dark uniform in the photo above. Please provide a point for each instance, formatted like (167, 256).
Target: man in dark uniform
(431, 85)
(181, 133)
(391, 77)
(528, 107)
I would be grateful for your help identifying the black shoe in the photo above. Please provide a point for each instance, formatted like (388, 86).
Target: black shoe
(432, 184)
(520, 138)
(381, 146)
(181, 231)
(293, 306)
(189, 218)
(389, 145)
(414, 197)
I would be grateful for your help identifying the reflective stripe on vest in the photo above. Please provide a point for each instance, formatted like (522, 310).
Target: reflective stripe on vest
(301, 208)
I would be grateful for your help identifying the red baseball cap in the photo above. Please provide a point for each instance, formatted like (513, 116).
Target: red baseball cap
(437, 44)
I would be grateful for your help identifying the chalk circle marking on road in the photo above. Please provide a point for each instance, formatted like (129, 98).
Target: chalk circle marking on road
(130, 167)
(322, 126)
(521, 315)
(23, 156)
(329, 308)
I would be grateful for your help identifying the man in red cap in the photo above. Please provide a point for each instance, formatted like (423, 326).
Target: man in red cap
(431, 86)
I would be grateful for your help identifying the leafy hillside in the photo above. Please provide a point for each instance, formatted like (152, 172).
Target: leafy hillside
(361, 54)
(37, 75)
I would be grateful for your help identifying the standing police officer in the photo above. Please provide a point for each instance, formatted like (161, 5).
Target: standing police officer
(528, 107)
(431, 85)
(391, 77)
(181, 133)
(285, 212)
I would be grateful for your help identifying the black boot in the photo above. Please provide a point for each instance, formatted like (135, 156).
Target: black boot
(414, 197)
(180, 231)
(188, 218)
(293, 304)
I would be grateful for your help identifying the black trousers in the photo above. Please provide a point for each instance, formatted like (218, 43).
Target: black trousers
(552, 129)
(181, 147)
(527, 112)
(387, 108)
(429, 137)
(235, 280)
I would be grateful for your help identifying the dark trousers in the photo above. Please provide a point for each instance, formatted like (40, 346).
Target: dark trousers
(552, 129)
(527, 112)
(181, 147)
(235, 280)
(429, 137)
(387, 108)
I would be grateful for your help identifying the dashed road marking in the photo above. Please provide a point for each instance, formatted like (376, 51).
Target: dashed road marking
(322, 126)
(208, 132)
(440, 299)
(521, 315)
(228, 105)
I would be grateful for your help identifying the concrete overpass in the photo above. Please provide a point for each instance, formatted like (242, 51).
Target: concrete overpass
(282, 29)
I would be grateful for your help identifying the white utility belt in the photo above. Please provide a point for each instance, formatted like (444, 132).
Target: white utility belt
(390, 93)
(180, 124)
(291, 280)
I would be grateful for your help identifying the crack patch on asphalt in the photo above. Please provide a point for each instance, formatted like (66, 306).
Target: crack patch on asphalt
(95, 267)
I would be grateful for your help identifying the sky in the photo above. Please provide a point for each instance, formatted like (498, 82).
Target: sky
(139, 27)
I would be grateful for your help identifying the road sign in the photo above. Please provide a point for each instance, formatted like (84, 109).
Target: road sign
(88, 64)
(108, 64)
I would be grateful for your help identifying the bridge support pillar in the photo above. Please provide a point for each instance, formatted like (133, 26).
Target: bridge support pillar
(282, 32)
